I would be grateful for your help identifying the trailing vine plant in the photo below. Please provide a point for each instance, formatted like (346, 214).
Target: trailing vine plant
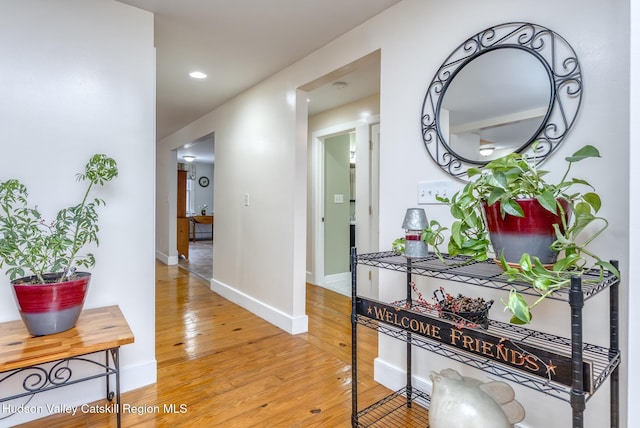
(517, 176)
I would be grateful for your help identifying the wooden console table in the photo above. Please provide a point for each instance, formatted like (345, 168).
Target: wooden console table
(26, 357)
(201, 219)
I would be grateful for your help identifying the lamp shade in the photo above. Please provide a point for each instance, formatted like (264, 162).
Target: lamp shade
(415, 219)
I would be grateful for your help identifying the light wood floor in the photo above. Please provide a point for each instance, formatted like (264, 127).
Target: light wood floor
(229, 368)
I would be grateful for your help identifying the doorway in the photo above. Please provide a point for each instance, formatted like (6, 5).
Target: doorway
(344, 210)
(338, 220)
(343, 109)
(198, 159)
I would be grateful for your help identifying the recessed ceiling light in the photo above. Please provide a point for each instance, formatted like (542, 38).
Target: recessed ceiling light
(198, 75)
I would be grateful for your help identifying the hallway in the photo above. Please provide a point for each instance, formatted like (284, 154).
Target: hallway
(225, 367)
(200, 261)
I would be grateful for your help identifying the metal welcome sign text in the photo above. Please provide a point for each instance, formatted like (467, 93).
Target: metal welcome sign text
(480, 343)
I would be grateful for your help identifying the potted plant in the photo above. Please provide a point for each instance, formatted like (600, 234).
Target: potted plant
(471, 311)
(41, 257)
(511, 189)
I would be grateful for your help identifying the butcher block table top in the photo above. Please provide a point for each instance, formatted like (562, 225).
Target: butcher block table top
(97, 329)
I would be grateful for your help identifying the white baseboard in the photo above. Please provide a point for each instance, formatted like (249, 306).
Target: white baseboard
(139, 375)
(166, 259)
(339, 282)
(288, 323)
(395, 378)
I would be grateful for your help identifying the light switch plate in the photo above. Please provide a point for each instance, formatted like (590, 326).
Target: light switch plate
(428, 190)
(338, 199)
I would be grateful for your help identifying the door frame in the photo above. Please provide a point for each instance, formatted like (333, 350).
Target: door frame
(364, 222)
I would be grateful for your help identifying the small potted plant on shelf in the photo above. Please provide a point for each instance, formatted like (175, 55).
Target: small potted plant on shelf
(41, 257)
(469, 310)
(464, 311)
(539, 230)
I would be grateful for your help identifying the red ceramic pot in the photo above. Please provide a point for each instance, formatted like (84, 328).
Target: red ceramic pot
(533, 234)
(52, 307)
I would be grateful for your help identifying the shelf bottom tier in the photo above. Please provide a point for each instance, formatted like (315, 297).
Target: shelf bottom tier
(394, 411)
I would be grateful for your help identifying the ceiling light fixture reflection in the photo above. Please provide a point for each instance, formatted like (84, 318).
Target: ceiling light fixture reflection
(486, 151)
(189, 158)
(198, 75)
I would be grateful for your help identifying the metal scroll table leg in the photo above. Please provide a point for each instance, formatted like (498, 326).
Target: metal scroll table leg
(116, 361)
(115, 357)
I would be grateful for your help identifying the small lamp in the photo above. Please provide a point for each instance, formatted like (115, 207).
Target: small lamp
(415, 221)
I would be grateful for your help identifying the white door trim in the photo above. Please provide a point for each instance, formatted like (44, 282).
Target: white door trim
(362, 128)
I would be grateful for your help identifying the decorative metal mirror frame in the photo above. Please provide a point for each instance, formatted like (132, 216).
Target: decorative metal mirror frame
(558, 58)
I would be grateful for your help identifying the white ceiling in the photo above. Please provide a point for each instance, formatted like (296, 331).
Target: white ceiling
(350, 83)
(239, 43)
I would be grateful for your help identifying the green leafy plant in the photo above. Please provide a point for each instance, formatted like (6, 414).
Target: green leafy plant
(31, 245)
(398, 245)
(516, 176)
(433, 235)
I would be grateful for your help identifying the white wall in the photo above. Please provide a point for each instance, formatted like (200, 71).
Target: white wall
(261, 144)
(603, 53)
(254, 246)
(346, 113)
(336, 215)
(166, 209)
(204, 195)
(633, 348)
(77, 77)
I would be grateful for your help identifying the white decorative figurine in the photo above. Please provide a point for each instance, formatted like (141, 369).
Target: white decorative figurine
(464, 402)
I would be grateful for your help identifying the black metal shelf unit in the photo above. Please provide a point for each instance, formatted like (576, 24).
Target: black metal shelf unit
(589, 365)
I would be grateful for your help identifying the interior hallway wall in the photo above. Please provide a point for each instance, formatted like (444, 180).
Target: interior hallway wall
(633, 336)
(77, 77)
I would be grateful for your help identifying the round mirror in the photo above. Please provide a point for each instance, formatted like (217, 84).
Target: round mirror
(500, 91)
(495, 105)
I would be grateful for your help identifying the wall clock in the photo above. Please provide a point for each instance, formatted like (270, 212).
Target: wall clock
(203, 181)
